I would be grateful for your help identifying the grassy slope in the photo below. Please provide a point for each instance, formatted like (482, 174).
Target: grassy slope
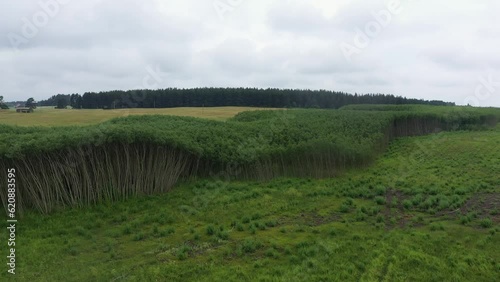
(292, 229)
(48, 116)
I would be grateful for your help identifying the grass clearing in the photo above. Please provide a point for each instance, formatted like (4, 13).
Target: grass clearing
(48, 116)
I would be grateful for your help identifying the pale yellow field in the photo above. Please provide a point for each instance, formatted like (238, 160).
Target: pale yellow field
(48, 116)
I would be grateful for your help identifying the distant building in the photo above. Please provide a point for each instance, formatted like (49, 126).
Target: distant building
(24, 110)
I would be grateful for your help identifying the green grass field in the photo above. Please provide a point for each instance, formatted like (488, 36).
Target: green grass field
(48, 116)
(427, 210)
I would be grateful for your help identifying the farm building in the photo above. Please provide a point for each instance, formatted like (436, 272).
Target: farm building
(24, 110)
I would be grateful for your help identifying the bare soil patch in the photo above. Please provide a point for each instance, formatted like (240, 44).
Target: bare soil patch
(485, 205)
(395, 211)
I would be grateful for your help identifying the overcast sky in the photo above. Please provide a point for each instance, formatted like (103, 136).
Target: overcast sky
(441, 49)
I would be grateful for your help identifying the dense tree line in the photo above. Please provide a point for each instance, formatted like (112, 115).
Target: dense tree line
(61, 101)
(217, 97)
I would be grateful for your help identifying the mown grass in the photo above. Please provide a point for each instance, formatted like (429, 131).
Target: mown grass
(48, 116)
(401, 219)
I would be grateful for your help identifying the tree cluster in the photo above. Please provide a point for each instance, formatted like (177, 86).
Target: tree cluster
(31, 103)
(3, 106)
(62, 101)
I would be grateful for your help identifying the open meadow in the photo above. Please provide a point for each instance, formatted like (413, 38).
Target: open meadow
(364, 193)
(48, 116)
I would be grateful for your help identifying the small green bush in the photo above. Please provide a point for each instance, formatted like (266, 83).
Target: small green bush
(210, 230)
(271, 223)
(407, 204)
(223, 235)
(380, 200)
(139, 236)
(250, 245)
(486, 223)
(344, 208)
(183, 252)
(127, 230)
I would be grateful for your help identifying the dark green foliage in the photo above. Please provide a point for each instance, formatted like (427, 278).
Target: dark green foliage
(31, 103)
(272, 253)
(165, 232)
(183, 252)
(465, 219)
(380, 200)
(223, 235)
(252, 229)
(62, 103)
(256, 216)
(250, 245)
(210, 230)
(486, 223)
(407, 204)
(436, 227)
(346, 206)
(217, 97)
(127, 230)
(360, 216)
(139, 236)
(271, 223)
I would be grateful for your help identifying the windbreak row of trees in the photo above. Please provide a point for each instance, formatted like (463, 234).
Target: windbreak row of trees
(219, 97)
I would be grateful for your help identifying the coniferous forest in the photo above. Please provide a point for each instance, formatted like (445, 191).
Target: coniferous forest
(220, 97)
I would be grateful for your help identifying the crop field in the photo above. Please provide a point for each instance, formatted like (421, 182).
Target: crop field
(364, 193)
(48, 116)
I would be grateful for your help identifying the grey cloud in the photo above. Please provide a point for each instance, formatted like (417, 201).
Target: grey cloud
(434, 50)
(459, 60)
(297, 18)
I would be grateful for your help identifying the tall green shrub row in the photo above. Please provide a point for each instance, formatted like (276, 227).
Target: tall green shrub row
(74, 166)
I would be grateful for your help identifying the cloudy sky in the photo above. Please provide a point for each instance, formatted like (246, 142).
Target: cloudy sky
(441, 49)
